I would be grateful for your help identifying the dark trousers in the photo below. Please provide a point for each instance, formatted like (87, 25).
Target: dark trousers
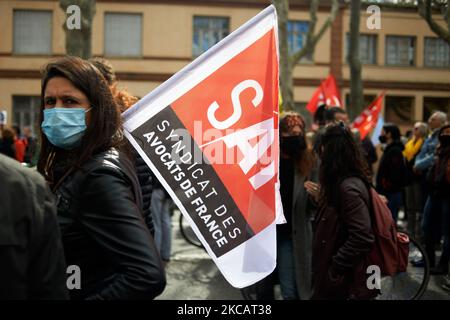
(436, 225)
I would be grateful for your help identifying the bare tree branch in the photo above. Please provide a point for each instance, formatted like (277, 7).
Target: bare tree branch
(287, 62)
(425, 10)
(312, 38)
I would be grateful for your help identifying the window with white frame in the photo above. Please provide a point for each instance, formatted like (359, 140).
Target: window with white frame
(437, 53)
(123, 34)
(367, 48)
(297, 32)
(32, 32)
(400, 50)
(207, 32)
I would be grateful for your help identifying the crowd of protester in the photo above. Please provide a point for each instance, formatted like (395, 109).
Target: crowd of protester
(97, 205)
(413, 174)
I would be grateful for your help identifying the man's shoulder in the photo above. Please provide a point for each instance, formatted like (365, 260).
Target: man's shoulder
(23, 195)
(11, 171)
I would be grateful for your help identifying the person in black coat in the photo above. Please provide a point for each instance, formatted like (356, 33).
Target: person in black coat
(32, 264)
(125, 100)
(99, 199)
(391, 174)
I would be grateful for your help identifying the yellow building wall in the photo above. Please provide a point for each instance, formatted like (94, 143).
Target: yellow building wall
(175, 23)
(167, 47)
(397, 24)
(139, 88)
(6, 23)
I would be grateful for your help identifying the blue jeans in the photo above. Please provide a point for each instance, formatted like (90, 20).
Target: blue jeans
(162, 223)
(286, 269)
(435, 224)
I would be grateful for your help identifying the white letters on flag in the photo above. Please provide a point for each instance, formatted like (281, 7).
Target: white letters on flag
(210, 135)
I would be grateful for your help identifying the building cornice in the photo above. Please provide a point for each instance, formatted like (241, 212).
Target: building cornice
(298, 82)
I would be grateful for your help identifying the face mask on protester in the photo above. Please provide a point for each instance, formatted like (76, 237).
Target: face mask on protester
(293, 145)
(382, 139)
(64, 127)
(444, 140)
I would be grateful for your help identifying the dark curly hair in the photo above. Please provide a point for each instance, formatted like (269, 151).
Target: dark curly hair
(341, 158)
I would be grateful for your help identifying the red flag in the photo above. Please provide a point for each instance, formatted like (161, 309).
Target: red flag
(327, 93)
(369, 117)
(210, 135)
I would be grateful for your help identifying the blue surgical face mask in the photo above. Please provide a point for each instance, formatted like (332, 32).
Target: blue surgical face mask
(64, 127)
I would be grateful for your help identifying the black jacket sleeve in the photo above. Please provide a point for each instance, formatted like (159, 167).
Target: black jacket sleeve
(111, 217)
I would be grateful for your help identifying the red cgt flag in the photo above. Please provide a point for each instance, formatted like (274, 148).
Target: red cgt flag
(327, 93)
(369, 117)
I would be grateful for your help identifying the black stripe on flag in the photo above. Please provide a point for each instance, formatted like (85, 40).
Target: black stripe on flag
(195, 183)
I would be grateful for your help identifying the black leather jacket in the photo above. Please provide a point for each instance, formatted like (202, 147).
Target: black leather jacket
(145, 177)
(104, 233)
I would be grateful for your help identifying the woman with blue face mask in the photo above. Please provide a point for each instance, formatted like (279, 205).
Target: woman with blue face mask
(98, 197)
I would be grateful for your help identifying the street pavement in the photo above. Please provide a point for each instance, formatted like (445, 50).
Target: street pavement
(192, 275)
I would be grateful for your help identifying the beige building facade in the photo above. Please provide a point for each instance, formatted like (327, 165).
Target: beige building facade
(148, 41)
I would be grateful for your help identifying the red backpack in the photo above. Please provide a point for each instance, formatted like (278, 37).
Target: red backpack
(391, 248)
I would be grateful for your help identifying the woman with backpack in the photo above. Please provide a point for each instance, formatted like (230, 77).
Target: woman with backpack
(343, 235)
